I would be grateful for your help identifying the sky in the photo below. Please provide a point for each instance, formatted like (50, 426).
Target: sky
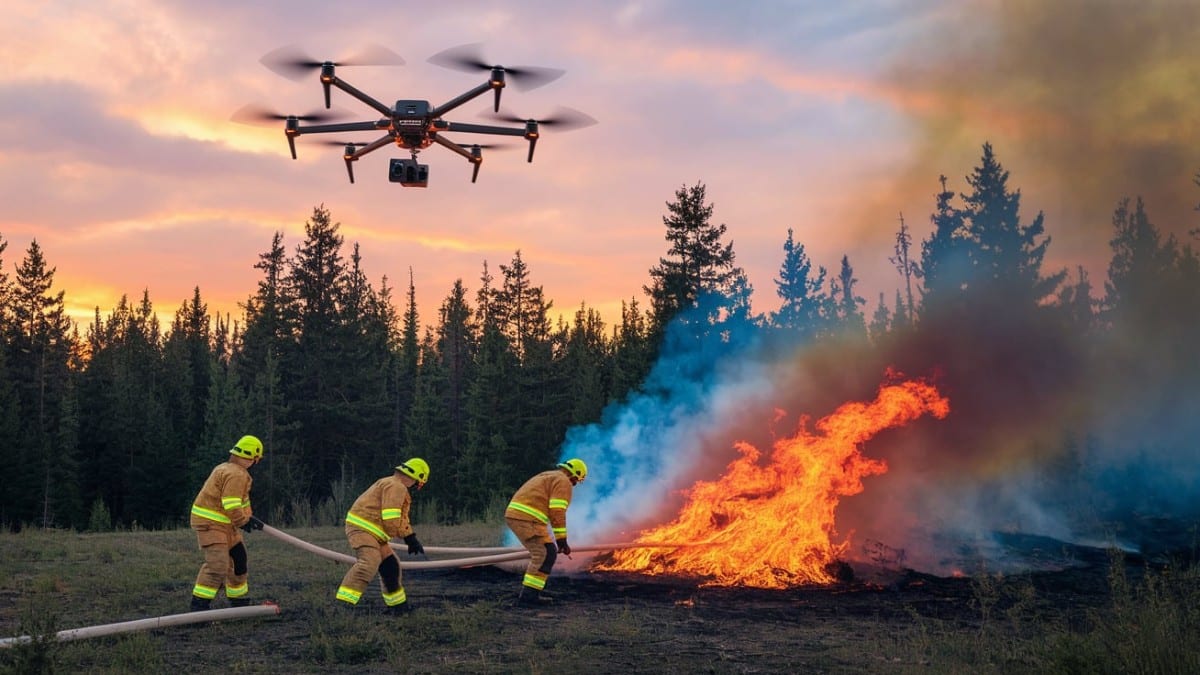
(119, 157)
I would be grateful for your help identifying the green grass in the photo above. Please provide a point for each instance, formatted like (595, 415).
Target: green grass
(1129, 620)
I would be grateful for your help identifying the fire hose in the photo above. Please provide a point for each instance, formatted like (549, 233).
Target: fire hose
(152, 623)
(496, 554)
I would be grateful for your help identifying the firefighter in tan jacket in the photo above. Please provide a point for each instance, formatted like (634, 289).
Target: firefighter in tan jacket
(542, 501)
(378, 515)
(222, 507)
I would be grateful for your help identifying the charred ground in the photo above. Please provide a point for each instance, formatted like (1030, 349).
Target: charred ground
(880, 620)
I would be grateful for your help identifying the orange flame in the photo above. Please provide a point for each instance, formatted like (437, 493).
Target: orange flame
(769, 525)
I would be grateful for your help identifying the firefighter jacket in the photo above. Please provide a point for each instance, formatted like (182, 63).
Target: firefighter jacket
(543, 498)
(383, 510)
(225, 497)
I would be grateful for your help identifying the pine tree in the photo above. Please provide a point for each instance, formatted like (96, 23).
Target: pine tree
(908, 269)
(631, 351)
(258, 361)
(901, 315)
(539, 399)
(368, 326)
(39, 354)
(945, 267)
(456, 347)
(847, 304)
(408, 360)
(314, 375)
(698, 263)
(427, 431)
(1007, 255)
(490, 468)
(584, 365)
(803, 300)
(880, 320)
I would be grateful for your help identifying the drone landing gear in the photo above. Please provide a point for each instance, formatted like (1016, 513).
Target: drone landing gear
(408, 172)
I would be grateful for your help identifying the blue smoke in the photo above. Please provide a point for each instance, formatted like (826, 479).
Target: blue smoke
(647, 447)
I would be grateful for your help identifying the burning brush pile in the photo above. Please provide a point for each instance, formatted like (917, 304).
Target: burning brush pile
(768, 522)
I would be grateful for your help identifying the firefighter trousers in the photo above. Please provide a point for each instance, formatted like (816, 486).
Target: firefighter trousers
(371, 558)
(225, 562)
(535, 538)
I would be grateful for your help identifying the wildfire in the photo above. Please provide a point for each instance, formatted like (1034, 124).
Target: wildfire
(769, 524)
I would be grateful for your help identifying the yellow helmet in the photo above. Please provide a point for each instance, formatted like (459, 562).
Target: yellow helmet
(248, 447)
(416, 469)
(576, 468)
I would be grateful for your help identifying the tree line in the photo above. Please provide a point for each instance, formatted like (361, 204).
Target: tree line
(119, 426)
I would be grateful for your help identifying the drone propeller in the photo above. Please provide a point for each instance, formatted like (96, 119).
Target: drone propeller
(293, 63)
(467, 59)
(252, 113)
(564, 119)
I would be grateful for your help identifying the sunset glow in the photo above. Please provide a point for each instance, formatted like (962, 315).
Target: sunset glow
(119, 157)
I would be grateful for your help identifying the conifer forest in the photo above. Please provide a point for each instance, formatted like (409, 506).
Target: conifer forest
(117, 423)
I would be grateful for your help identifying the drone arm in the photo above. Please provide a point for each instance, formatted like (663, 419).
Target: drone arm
(483, 129)
(454, 147)
(333, 128)
(372, 146)
(341, 84)
(351, 157)
(474, 157)
(463, 98)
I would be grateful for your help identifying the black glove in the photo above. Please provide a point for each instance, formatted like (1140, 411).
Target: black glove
(414, 546)
(252, 525)
(563, 548)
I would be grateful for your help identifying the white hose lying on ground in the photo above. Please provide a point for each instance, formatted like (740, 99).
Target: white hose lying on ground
(150, 624)
(499, 553)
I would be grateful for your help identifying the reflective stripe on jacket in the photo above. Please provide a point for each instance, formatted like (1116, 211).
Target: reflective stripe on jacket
(383, 510)
(543, 498)
(225, 497)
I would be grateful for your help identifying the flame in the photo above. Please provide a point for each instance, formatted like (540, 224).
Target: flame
(769, 524)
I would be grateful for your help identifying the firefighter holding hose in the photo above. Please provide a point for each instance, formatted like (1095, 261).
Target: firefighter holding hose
(222, 507)
(542, 501)
(378, 515)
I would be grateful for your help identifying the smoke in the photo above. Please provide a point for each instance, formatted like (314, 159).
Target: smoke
(1043, 438)
(1089, 441)
(1085, 101)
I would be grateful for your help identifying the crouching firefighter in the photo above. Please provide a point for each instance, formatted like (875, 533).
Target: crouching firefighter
(542, 501)
(222, 507)
(378, 515)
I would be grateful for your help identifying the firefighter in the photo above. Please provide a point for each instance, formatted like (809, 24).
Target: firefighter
(222, 507)
(378, 515)
(542, 501)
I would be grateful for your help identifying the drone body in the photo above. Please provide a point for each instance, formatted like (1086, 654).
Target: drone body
(411, 124)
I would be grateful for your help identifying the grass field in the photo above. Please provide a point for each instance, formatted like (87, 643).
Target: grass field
(1101, 618)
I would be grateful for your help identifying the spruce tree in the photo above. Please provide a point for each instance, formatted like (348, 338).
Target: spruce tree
(880, 321)
(631, 351)
(40, 350)
(584, 366)
(908, 269)
(698, 262)
(945, 267)
(848, 305)
(314, 378)
(803, 301)
(455, 350)
(1006, 254)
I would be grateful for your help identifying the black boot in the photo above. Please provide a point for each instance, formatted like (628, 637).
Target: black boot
(239, 602)
(199, 604)
(399, 610)
(532, 598)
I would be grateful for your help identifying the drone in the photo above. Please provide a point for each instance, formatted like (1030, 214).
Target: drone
(412, 124)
